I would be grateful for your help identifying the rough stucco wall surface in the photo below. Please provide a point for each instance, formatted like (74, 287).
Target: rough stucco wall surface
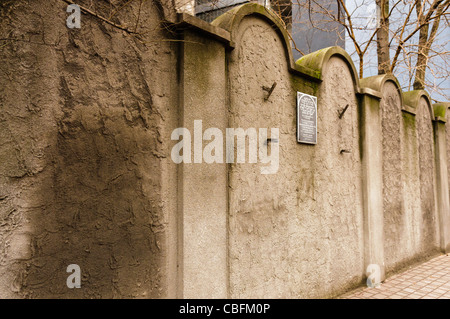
(204, 186)
(86, 177)
(295, 232)
(415, 234)
(338, 176)
(393, 207)
(447, 129)
(411, 186)
(81, 153)
(429, 219)
(410, 216)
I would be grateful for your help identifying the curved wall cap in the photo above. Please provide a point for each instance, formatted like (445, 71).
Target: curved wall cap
(377, 82)
(312, 66)
(318, 62)
(232, 19)
(411, 100)
(440, 111)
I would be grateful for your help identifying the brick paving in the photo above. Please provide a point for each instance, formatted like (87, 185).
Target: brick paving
(430, 280)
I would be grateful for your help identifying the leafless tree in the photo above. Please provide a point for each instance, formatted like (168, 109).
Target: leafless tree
(410, 36)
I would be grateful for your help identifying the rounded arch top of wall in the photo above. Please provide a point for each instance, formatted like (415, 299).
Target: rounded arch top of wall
(318, 60)
(377, 83)
(310, 66)
(441, 110)
(411, 100)
(232, 19)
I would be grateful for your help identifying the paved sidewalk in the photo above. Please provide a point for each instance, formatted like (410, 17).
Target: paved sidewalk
(430, 280)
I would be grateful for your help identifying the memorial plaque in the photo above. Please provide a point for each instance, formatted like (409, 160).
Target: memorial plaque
(306, 118)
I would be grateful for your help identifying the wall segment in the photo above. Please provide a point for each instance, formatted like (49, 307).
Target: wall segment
(342, 212)
(94, 183)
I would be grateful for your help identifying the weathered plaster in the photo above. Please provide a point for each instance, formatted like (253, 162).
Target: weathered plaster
(87, 177)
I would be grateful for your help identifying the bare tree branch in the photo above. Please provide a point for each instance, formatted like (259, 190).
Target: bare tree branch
(86, 10)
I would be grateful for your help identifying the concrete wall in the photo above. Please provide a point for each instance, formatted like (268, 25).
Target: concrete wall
(311, 229)
(441, 140)
(286, 219)
(447, 133)
(84, 173)
(409, 181)
(393, 174)
(429, 230)
(87, 175)
(202, 187)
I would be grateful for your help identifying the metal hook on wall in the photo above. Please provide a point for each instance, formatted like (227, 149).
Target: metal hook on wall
(341, 113)
(269, 90)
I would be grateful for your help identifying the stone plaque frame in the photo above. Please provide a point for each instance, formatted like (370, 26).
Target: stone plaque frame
(306, 118)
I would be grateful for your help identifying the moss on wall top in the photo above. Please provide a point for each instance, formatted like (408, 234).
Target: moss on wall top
(440, 110)
(317, 61)
(412, 98)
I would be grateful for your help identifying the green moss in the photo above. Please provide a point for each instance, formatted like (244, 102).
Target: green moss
(440, 109)
(412, 98)
(316, 61)
(305, 86)
(409, 121)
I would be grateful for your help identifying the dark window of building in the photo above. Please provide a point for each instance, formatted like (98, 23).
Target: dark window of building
(208, 10)
(313, 30)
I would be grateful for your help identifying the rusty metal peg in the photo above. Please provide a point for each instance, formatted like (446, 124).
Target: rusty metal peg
(341, 113)
(269, 90)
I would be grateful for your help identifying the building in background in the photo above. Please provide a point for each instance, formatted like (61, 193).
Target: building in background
(208, 10)
(309, 31)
